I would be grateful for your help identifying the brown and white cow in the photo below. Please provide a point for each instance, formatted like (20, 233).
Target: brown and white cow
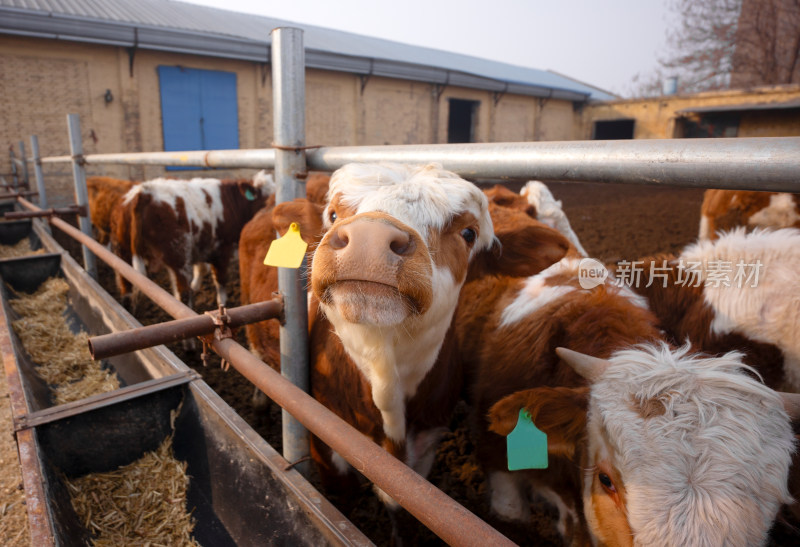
(105, 193)
(180, 225)
(723, 210)
(738, 292)
(652, 446)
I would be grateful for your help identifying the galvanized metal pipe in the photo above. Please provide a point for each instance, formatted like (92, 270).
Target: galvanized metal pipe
(288, 99)
(13, 160)
(37, 171)
(116, 343)
(764, 163)
(24, 161)
(16, 215)
(443, 515)
(257, 158)
(81, 193)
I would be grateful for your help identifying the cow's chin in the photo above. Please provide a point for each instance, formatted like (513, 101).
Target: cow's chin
(366, 302)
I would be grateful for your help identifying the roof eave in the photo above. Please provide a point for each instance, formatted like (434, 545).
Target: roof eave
(80, 29)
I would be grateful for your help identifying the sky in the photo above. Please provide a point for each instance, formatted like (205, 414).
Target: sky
(604, 43)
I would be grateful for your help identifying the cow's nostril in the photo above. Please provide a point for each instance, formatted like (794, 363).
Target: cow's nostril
(339, 239)
(401, 244)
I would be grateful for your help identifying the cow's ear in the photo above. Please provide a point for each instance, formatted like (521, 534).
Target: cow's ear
(521, 251)
(558, 411)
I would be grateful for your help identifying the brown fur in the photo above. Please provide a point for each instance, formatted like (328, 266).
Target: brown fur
(502, 196)
(260, 282)
(105, 193)
(727, 209)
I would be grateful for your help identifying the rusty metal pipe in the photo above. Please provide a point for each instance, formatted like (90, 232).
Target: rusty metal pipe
(159, 296)
(116, 343)
(444, 516)
(73, 210)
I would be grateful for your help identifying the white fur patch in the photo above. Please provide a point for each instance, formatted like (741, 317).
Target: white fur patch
(507, 498)
(768, 312)
(721, 448)
(341, 465)
(549, 211)
(780, 213)
(535, 294)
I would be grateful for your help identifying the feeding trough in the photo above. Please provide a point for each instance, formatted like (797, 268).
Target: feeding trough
(240, 490)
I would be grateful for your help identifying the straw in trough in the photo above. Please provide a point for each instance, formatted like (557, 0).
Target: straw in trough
(143, 503)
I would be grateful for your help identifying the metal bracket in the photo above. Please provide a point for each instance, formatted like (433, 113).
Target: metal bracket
(497, 95)
(132, 51)
(223, 331)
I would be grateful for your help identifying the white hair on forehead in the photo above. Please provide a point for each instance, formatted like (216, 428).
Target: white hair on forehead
(710, 470)
(422, 196)
(264, 182)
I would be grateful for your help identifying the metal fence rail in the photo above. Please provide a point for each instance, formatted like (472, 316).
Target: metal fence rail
(763, 163)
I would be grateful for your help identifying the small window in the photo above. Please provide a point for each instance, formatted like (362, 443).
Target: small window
(711, 125)
(613, 130)
(198, 109)
(461, 120)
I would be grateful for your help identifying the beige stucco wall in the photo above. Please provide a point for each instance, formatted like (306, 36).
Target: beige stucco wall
(43, 80)
(655, 117)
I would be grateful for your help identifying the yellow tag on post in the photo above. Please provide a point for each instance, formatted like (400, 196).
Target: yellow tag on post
(287, 251)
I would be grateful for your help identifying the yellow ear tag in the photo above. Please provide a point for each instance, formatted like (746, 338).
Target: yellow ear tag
(287, 251)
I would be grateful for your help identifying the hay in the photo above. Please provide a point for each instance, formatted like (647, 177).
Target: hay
(139, 504)
(23, 248)
(62, 357)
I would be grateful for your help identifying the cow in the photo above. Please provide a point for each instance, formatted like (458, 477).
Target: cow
(723, 210)
(105, 193)
(739, 291)
(549, 211)
(656, 446)
(180, 225)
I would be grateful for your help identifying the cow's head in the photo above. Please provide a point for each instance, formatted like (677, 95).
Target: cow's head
(398, 243)
(676, 449)
(256, 191)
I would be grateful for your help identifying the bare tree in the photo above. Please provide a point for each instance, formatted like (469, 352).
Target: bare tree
(767, 43)
(703, 46)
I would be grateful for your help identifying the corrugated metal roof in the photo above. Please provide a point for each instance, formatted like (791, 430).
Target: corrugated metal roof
(178, 26)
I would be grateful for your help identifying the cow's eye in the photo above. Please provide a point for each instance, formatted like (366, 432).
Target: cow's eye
(605, 480)
(333, 216)
(469, 235)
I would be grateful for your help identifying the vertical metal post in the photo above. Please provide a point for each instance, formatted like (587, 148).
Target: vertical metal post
(81, 193)
(12, 158)
(24, 159)
(289, 104)
(37, 171)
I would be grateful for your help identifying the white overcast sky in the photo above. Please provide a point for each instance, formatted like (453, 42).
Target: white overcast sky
(601, 42)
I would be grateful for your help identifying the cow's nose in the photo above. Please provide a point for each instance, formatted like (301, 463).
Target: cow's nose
(376, 235)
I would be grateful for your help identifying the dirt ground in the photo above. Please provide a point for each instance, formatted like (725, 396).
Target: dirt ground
(614, 222)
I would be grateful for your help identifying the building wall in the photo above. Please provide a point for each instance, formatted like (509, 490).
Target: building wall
(43, 80)
(656, 117)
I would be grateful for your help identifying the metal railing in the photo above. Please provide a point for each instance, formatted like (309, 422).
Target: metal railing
(741, 164)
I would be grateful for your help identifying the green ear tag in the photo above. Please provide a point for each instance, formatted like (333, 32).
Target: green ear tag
(287, 251)
(526, 445)
(249, 195)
